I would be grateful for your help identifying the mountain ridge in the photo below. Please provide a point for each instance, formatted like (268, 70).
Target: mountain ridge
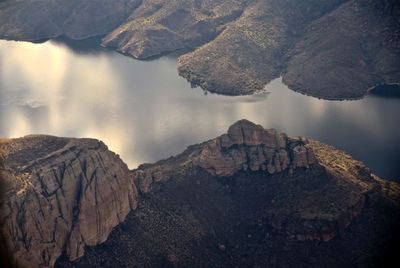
(332, 49)
(314, 198)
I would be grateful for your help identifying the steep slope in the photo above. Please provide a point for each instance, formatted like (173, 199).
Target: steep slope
(158, 26)
(333, 55)
(248, 197)
(167, 230)
(195, 214)
(251, 51)
(347, 52)
(317, 204)
(60, 194)
(42, 19)
(333, 49)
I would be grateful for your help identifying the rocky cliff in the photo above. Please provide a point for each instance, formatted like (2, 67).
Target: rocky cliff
(60, 195)
(249, 191)
(333, 49)
(249, 146)
(215, 205)
(331, 190)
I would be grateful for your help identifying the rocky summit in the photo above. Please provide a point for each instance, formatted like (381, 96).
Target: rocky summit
(60, 195)
(317, 199)
(332, 49)
(249, 197)
(249, 146)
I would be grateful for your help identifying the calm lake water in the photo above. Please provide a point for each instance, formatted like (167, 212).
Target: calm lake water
(145, 112)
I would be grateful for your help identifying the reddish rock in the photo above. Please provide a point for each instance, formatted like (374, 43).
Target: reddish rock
(249, 145)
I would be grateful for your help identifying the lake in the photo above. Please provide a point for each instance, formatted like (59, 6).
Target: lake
(145, 112)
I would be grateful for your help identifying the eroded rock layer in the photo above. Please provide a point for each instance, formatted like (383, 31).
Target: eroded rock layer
(317, 205)
(193, 212)
(249, 146)
(60, 194)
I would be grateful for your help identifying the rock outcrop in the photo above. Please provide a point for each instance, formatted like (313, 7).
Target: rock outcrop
(215, 205)
(335, 188)
(249, 146)
(246, 189)
(60, 195)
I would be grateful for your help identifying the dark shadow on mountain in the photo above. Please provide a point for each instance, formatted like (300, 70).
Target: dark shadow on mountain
(90, 45)
(169, 54)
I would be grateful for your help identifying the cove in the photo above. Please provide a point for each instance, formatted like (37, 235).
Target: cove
(145, 112)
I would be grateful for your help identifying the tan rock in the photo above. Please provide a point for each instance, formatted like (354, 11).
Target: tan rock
(247, 145)
(72, 192)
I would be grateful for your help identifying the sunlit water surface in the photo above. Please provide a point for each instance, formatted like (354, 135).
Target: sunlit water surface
(145, 112)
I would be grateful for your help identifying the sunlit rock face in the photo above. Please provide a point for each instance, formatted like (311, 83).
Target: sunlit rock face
(60, 194)
(203, 208)
(247, 145)
(311, 190)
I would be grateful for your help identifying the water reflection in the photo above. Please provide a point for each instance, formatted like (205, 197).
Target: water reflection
(145, 112)
(88, 46)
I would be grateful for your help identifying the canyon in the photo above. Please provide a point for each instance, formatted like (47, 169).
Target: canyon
(72, 202)
(252, 197)
(334, 49)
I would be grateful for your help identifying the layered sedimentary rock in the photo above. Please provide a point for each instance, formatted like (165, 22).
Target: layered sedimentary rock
(60, 195)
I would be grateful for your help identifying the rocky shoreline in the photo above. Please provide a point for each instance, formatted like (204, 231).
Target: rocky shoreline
(310, 44)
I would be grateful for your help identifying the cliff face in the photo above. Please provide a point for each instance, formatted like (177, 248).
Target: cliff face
(248, 189)
(60, 194)
(215, 205)
(247, 146)
(329, 190)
